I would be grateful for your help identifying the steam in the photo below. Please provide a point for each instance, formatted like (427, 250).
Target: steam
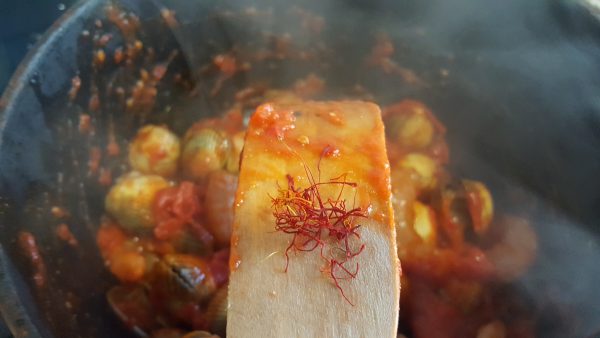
(520, 102)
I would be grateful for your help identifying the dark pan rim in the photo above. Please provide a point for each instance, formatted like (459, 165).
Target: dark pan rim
(13, 311)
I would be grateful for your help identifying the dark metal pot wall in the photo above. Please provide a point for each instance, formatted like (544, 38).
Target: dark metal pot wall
(515, 82)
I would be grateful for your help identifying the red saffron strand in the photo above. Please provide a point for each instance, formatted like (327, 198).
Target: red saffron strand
(324, 224)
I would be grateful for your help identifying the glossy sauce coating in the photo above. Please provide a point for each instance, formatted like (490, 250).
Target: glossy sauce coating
(261, 293)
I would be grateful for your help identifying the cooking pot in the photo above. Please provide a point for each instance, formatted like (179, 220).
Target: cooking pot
(515, 82)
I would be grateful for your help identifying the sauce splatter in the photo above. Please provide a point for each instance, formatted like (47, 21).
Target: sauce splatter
(58, 212)
(85, 123)
(75, 85)
(94, 160)
(64, 233)
(30, 249)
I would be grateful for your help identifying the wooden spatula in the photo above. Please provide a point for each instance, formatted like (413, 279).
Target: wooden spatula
(287, 281)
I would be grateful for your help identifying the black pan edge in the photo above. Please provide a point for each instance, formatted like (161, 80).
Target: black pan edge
(19, 322)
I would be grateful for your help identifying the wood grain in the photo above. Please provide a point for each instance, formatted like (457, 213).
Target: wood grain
(266, 301)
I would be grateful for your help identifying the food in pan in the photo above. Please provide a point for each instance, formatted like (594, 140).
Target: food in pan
(167, 232)
(177, 227)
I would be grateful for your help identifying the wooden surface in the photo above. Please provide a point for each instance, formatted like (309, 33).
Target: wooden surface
(266, 301)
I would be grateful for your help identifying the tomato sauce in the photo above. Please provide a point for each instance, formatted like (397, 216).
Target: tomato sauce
(30, 249)
(450, 280)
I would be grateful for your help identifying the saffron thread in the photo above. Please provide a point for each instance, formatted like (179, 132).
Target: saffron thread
(318, 223)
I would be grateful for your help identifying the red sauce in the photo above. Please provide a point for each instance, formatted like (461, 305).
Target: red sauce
(104, 39)
(439, 151)
(64, 233)
(247, 93)
(75, 85)
(159, 71)
(234, 258)
(58, 212)
(330, 151)
(407, 107)
(110, 237)
(113, 149)
(309, 86)
(169, 17)
(30, 249)
(310, 21)
(475, 206)
(154, 150)
(231, 123)
(333, 118)
(85, 123)
(432, 316)
(94, 102)
(132, 306)
(143, 97)
(94, 159)
(178, 208)
(272, 121)
(442, 280)
(441, 264)
(381, 57)
(378, 180)
(133, 49)
(105, 177)
(382, 51)
(127, 23)
(118, 55)
(219, 266)
(174, 208)
(226, 64)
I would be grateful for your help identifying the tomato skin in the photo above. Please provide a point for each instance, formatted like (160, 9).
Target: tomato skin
(179, 208)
